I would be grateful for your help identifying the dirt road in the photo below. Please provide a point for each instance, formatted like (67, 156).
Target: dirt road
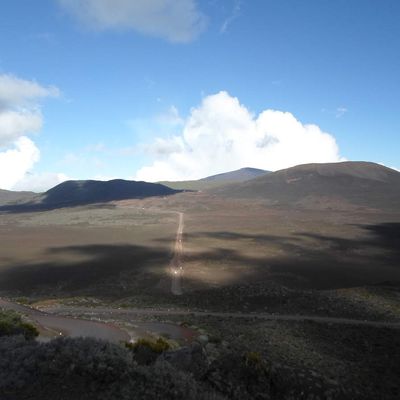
(176, 265)
(51, 325)
(233, 315)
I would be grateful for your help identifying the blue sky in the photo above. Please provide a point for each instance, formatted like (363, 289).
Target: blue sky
(180, 89)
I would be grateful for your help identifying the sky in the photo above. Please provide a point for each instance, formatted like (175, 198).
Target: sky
(182, 89)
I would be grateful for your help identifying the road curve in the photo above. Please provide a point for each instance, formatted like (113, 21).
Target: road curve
(176, 265)
(67, 326)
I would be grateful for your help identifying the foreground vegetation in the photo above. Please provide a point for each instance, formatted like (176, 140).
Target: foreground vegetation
(91, 369)
(233, 360)
(11, 323)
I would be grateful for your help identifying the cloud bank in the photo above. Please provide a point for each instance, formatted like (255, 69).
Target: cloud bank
(39, 182)
(222, 135)
(20, 116)
(173, 20)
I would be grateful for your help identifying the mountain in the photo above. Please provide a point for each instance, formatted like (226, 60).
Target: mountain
(213, 181)
(240, 175)
(8, 196)
(323, 185)
(74, 193)
(90, 191)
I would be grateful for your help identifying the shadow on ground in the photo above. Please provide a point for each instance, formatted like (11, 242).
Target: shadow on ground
(312, 261)
(120, 271)
(96, 269)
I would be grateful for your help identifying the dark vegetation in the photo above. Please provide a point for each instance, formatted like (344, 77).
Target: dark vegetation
(77, 369)
(11, 323)
(355, 364)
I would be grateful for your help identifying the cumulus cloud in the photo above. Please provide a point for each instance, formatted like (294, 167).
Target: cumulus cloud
(222, 134)
(174, 20)
(39, 182)
(15, 162)
(14, 124)
(20, 116)
(16, 92)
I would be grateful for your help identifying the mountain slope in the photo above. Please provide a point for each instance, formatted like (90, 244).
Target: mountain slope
(75, 193)
(323, 185)
(8, 196)
(87, 192)
(213, 181)
(240, 175)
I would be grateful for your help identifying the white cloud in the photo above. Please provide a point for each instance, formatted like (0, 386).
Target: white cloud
(170, 117)
(40, 182)
(16, 92)
(15, 162)
(235, 14)
(20, 116)
(222, 134)
(174, 20)
(340, 111)
(14, 124)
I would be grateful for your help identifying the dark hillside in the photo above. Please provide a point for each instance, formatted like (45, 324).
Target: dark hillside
(323, 185)
(240, 175)
(75, 193)
(87, 192)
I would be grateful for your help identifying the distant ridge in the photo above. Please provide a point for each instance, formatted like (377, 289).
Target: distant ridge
(8, 196)
(323, 185)
(75, 193)
(91, 191)
(213, 181)
(240, 175)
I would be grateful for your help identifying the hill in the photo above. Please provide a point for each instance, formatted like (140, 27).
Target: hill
(323, 185)
(240, 175)
(91, 191)
(213, 181)
(8, 196)
(75, 193)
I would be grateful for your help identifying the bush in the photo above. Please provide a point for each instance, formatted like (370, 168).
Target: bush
(146, 351)
(11, 324)
(85, 369)
(158, 346)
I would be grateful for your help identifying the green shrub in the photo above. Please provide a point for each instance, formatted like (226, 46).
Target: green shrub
(252, 358)
(23, 300)
(11, 324)
(158, 346)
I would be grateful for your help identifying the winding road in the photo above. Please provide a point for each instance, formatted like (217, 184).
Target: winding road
(51, 325)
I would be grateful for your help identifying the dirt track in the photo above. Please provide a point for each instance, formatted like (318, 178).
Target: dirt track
(176, 262)
(53, 326)
(262, 316)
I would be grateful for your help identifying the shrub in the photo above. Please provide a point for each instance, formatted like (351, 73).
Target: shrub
(86, 369)
(11, 324)
(158, 346)
(146, 351)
